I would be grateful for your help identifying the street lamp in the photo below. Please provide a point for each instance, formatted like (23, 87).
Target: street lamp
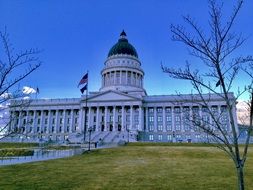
(89, 130)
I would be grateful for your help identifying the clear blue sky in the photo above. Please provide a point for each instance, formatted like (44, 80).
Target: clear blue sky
(76, 36)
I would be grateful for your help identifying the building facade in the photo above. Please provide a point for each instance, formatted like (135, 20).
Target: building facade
(120, 111)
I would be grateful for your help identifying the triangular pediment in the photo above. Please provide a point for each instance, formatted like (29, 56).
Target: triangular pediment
(112, 96)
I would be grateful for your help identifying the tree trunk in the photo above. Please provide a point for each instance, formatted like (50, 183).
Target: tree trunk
(240, 177)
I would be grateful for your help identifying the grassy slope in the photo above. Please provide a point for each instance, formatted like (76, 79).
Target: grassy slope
(130, 167)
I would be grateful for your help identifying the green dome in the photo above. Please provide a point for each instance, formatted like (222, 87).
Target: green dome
(123, 47)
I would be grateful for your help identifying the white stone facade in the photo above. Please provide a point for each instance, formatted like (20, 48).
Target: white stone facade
(120, 111)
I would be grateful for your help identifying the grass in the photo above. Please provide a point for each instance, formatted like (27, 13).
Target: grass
(18, 145)
(136, 166)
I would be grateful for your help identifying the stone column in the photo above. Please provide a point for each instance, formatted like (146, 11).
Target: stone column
(123, 127)
(147, 121)
(120, 77)
(41, 121)
(155, 119)
(105, 118)
(49, 122)
(140, 119)
(19, 119)
(56, 121)
(26, 123)
(114, 78)
(131, 117)
(80, 122)
(114, 118)
(89, 118)
(64, 122)
(164, 120)
(97, 120)
(71, 121)
(34, 122)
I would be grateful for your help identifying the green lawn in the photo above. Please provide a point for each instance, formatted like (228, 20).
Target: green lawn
(136, 166)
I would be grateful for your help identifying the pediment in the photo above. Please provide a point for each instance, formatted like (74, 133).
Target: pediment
(112, 96)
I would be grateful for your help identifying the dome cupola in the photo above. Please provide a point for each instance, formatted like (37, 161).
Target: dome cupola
(122, 69)
(123, 47)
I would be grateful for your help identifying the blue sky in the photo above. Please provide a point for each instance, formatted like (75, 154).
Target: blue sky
(76, 35)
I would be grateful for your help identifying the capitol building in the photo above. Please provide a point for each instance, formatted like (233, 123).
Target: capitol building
(121, 110)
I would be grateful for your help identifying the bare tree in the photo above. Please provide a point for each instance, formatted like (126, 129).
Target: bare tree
(215, 50)
(14, 67)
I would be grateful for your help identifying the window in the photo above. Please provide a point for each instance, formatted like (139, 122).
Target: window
(24, 121)
(223, 109)
(178, 137)
(76, 120)
(160, 137)
(53, 121)
(178, 127)
(177, 118)
(205, 109)
(214, 109)
(151, 118)
(111, 118)
(61, 120)
(151, 127)
(186, 109)
(68, 120)
(94, 119)
(197, 137)
(168, 118)
(38, 122)
(168, 110)
(205, 118)
(177, 110)
(46, 121)
(151, 137)
(159, 118)
(159, 110)
(128, 118)
(187, 127)
(160, 127)
(151, 110)
(169, 137)
(169, 127)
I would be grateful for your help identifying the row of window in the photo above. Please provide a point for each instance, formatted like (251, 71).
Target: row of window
(177, 137)
(46, 113)
(187, 109)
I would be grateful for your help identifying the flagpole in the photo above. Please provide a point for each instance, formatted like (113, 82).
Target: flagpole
(85, 129)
